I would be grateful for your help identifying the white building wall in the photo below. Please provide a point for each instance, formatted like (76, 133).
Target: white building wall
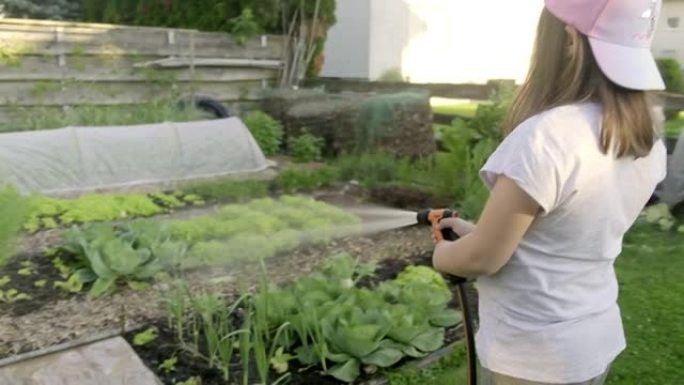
(669, 37)
(347, 50)
(390, 28)
(459, 41)
(467, 41)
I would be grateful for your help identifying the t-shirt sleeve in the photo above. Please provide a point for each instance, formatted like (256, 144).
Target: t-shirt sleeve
(531, 158)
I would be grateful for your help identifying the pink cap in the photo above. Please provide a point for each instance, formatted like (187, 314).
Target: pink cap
(620, 33)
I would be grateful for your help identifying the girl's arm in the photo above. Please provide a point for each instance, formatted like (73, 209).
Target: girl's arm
(487, 247)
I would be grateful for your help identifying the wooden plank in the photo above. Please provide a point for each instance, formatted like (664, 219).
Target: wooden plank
(106, 75)
(89, 41)
(212, 62)
(32, 23)
(51, 94)
(114, 51)
(133, 37)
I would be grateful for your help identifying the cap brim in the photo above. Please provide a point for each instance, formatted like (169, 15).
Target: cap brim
(629, 67)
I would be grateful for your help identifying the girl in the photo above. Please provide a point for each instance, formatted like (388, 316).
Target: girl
(580, 160)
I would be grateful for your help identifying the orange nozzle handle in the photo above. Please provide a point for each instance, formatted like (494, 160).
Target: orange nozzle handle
(432, 218)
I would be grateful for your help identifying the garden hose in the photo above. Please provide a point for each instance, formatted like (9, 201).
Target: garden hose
(432, 218)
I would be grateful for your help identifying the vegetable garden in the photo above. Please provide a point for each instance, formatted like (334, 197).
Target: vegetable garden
(256, 281)
(272, 281)
(243, 281)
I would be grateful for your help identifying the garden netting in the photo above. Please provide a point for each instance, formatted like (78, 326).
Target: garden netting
(76, 160)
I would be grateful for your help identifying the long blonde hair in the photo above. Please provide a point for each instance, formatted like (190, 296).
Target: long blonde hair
(564, 71)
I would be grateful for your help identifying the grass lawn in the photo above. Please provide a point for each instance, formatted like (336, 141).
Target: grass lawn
(674, 127)
(455, 107)
(651, 275)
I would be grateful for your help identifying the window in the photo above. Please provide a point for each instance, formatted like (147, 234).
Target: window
(673, 22)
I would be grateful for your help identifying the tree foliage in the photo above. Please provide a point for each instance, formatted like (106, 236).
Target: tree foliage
(41, 9)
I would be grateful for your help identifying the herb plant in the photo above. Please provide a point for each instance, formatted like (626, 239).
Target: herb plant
(305, 148)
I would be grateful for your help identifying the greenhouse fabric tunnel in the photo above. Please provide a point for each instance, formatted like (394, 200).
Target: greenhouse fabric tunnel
(76, 160)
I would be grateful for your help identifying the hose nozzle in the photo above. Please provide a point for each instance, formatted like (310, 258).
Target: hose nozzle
(432, 217)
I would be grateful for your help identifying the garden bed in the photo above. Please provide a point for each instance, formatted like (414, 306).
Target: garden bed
(173, 365)
(57, 317)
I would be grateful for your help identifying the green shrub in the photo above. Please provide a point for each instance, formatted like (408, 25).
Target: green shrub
(302, 179)
(14, 210)
(368, 168)
(393, 75)
(205, 15)
(671, 72)
(305, 148)
(267, 131)
(228, 190)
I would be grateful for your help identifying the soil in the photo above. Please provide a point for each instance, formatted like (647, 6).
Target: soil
(52, 318)
(164, 347)
(406, 197)
(39, 284)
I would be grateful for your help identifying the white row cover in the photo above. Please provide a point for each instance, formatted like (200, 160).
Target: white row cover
(76, 160)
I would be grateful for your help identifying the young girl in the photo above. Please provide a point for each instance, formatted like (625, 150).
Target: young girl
(580, 160)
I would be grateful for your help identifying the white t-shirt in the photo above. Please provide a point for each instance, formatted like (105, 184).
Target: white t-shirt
(551, 314)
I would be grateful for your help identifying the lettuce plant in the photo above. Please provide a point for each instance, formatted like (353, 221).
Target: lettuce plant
(106, 255)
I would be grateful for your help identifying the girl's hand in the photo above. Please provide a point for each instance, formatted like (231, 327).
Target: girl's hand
(449, 223)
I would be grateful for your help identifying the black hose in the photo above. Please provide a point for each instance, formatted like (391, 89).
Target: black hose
(469, 330)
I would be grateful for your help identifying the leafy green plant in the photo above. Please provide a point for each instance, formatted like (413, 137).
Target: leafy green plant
(145, 337)
(41, 283)
(4, 280)
(211, 318)
(267, 131)
(106, 255)
(294, 179)
(196, 380)
(345, 328)
(259, 229)
(48, 213)
(671, 72)
(369, 168)
(14, 209)
(228, 190)
(27, 268)
(469, 144)
(13, 295)
(169, 364)
(244, 26)
(305, 148)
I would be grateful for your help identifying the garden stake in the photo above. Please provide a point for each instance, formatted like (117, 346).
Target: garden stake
(432, 218)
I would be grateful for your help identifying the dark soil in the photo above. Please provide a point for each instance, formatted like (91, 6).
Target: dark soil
(406, 197)
(187, 366)
(41, 269)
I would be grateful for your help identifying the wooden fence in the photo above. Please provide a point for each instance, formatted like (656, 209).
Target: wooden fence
(48, 63)
(457, 91)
